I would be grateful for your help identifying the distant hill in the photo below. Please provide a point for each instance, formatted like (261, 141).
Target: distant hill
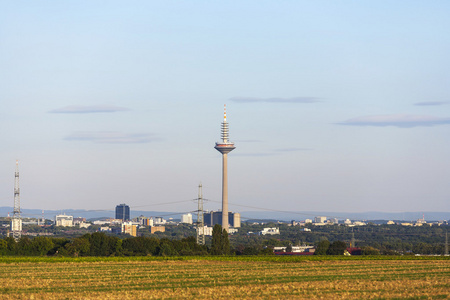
(88, 214)
(245, 215)
(298, 216)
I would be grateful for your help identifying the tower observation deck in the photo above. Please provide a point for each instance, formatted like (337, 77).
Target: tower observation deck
(225, 147)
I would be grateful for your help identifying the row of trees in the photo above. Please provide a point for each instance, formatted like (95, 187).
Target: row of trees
(388, 239)
(101, 244)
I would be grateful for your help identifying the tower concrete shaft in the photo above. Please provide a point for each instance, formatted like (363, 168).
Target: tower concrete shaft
(225, 147)
(16, 222)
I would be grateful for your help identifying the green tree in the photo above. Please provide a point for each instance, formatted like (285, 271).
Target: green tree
(368, 250)
(250, 250)
(11, 246)
(337, 248)
(225, 243)
(220, 244)
(3, 247)
(24, 246)
(266, 251)
(78, 247)
(166, 248)
(322, 247)
(41, 245)
(289, 248)
(102, 244)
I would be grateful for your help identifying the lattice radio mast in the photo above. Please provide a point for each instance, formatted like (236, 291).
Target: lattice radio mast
(200, 222)
(446, 244)
(16, 222)
(352, 243)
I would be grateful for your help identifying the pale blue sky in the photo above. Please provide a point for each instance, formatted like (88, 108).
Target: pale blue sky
(333, 105)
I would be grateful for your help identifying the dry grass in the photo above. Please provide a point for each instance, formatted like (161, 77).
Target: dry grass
(208, 279)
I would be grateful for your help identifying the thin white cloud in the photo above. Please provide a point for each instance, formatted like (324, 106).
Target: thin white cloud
(111, 137)
(431, 103)
(80, 109)
(292, 149)
(248, 141)
(275, 100)
(253, 154)
(405, 121)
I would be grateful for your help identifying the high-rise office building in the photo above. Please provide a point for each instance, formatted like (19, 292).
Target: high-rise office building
(123, 212)
(215, 217)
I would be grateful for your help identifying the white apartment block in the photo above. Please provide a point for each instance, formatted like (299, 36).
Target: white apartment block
(186, 218)
(206, 230)
(272, 230)
(64, 220)
(320, 219)
(16, 224)
(159, 221)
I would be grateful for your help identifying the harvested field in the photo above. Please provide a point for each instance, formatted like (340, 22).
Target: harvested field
(221, 278)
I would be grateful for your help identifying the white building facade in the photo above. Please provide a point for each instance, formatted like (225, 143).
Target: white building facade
(64, 220)
(187, 218)
(271, 231)
(320, 219)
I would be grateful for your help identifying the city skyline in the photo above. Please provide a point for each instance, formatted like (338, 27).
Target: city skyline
(335, 106)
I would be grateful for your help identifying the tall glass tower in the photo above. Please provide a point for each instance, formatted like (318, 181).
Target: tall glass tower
(123, 212)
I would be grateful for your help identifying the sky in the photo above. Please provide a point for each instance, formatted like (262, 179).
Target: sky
(332, 105)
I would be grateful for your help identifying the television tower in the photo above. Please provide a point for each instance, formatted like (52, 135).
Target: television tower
(224, 147)
(16, 222)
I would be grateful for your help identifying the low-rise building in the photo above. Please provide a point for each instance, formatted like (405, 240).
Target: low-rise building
(271, 231)
(186, 218)
(129, 228)
(154, 229)
(206, 230)
(64, 220)
(145, 221)
(295, 249)
(84, 225)
(320, 219)
(359, 223)
(333, 221)
(78, 220)
(159, 221)
(232, 230)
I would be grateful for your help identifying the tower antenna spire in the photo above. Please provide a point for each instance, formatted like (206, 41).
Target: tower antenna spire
(224, 113)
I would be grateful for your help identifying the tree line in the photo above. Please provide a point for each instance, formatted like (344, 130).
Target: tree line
(101, 244)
